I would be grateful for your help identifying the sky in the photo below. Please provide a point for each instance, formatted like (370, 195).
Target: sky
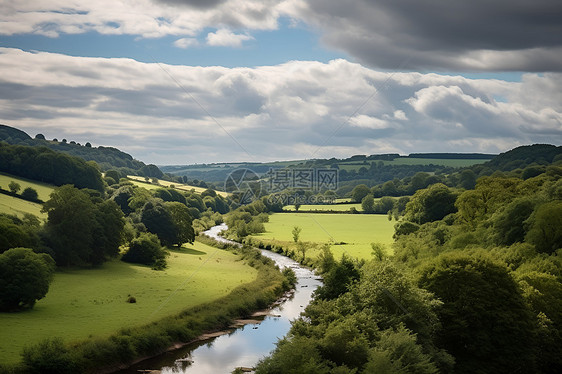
(201, 81)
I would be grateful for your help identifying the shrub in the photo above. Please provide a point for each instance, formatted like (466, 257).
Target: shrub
(24, 278)
(30, 194)
(147, 250)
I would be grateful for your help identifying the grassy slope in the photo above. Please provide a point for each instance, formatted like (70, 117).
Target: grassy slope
(357, 230)
(13, 205)
(415, 161)
(325, 207)
(140, 181)
(84, 303)
(43, 189)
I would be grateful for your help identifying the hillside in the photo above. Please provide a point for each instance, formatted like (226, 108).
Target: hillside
(106, 157)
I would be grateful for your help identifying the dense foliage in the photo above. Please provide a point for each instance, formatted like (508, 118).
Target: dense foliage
(45, 165)
(82, 228)
(106, 157)
(147, 250)
(24, 278)
(474, 286)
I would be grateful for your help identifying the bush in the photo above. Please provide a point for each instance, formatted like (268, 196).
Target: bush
(147, 250)
(24, 278)
(50, 356)
(29, 194)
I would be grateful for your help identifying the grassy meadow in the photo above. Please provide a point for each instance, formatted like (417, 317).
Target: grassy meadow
(457, 163)
(325, 207)
(358, 231)
(92, 302)
(16, 206)
(43, 190)
(141, 182)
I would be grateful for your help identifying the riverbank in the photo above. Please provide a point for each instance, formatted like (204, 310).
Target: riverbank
(246, 345)
(127, 345)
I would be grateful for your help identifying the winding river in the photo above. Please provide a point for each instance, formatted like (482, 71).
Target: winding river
(246, 345)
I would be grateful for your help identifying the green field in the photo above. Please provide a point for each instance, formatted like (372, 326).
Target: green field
(457, 163)
(141, 182)
(357, 230)
(92, 302)
(325, 207)
(14, 205)
(43, 190)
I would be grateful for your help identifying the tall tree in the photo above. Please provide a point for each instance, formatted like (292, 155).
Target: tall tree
(24, 278)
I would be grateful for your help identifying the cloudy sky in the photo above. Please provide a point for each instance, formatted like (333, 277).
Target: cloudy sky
(194, 81)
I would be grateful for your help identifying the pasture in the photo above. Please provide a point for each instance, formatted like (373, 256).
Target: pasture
(141, 182)
(325, 207)
(43, 190)
(457, 163)
(16, 206)
(85, 303)
(357, 231)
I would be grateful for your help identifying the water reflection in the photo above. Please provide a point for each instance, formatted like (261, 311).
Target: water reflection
(245, 346)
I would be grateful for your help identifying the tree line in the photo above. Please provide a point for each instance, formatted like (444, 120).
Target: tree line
(474, 285)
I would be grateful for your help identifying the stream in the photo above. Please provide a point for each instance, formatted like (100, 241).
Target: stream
(243, 346)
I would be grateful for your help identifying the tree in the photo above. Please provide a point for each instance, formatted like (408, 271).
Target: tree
(14, 187)
(546, 227)
(430, 204)
(147, 250)
(182, 221)
(296, 233)
(158, 220)
(70, 224)
(509, 224)
(359, 192)
(40, 136)
(108, 232)
(301, 247)
(24, 278)
(30, 194)
(467, 179)
(487, 326)
(82, 229)
(368, 204)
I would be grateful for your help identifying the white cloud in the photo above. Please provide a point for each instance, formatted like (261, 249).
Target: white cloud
(147, 18)
(299, 109)
(226, 38)
(185, 43)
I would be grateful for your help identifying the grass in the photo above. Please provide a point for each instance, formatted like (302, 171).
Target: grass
(457, 163)
(358, 231)
(141, 182)
(325, 207)
(43, 190)
(14, 205)
(92, 302)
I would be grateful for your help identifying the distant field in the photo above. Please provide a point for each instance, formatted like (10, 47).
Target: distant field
(357, 230)
(13, 205)
(43, 190)
(348, 166)
(140, 181)
(92, 302)
(325, 207)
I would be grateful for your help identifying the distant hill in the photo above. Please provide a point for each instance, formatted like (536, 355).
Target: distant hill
(521, 157)
(106, 157)
(11, 134)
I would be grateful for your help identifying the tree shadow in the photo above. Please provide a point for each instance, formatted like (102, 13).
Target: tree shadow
(189, 251)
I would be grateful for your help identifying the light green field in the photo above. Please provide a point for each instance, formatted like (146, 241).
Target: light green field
(13, 205)
(325, 207)
(357, 230)
(457, 163)
(141, 182)
(92, 302)
(43, 190)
